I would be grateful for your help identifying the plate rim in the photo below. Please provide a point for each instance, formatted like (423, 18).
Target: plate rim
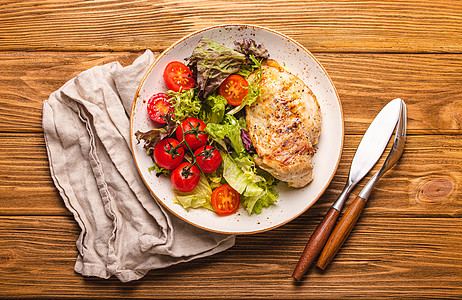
(148, 71)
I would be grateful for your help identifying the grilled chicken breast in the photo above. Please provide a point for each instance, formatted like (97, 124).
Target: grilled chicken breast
(284, 125)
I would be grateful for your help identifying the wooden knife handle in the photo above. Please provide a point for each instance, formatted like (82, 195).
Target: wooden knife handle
(341, 232)
(316, 243)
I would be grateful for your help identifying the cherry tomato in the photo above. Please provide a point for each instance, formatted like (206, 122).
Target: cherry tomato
(167, 155)
(234, 89)
(178, 76)
(208, 158)
(194, 133)
(158, 107)
(225, 199)
(185, 177)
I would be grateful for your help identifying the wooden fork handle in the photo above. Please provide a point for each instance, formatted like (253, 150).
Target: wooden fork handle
(316, 243)
(341, 232)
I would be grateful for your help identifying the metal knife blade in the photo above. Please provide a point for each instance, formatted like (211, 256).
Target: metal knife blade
(375, 140)
(371, 147)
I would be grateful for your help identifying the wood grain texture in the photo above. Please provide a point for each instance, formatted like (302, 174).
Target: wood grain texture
(408, 241)
(426, 181)
(27, 79)
(429, 84)
(340, 26)
(37, 257)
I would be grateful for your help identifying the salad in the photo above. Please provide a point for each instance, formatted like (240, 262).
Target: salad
(203, 144)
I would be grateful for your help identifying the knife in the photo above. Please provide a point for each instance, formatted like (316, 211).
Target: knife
(369, 151)
(351, 215)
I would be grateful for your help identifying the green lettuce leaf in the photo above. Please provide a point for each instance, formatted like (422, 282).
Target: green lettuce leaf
(215, 179)
(213, 109)
(235, 178)
(256, 204)
(246, 164)
(199, 197)
(159, 170)
(186, 104)
(230, 128)
(254, 194)
(246, 70)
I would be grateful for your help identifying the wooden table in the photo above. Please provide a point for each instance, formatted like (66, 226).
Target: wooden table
(408, 242)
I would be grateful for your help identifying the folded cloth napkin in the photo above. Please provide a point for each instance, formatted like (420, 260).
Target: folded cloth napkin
(125, 232)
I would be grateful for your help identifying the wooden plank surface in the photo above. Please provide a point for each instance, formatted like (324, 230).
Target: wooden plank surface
(37, 258)
(407, 243)
(365, 83)
(340, 26)
(429, 172)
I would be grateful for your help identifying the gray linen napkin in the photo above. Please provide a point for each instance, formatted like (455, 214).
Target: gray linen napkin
(125, 232)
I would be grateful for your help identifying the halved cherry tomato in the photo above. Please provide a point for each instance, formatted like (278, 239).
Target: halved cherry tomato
(234, 89)
(225, 199)
(167, 154)
(178, 76)
(194, 133)
(208, 158)
(185, 177)
(158, 107)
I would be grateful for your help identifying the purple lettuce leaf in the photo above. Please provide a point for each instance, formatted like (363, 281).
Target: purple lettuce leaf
(212, 63)
(248, 145)
(250, 47)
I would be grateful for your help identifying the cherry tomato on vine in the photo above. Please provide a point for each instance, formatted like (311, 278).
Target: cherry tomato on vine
(158, 107)
(178, 76)
(225, 199)
(194, 133)
(167, 154)
(208, 158)
(185, 177)
(234, 89)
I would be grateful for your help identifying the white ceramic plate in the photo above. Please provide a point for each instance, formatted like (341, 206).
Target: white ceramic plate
(292, 202)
